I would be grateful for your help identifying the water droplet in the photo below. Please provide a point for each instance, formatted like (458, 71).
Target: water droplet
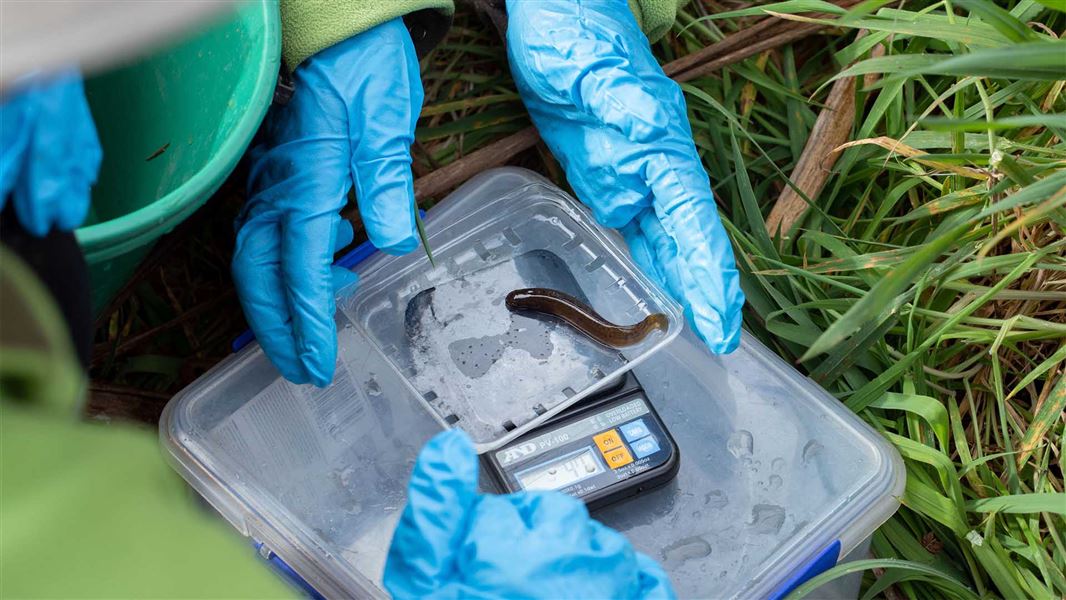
(775, 482)
(372, 387)
(812, 449)
(684, 550)
(715, 499)
(741, 444)
(345, 477)
(777, 464)
(767, 518)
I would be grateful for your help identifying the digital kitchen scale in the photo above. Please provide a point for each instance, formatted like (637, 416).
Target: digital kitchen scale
(605, 449)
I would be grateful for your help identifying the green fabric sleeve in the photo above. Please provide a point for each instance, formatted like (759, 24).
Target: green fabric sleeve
(38, 365)
(92, 511)
(89, 510)
(308, 26)
(656, 16)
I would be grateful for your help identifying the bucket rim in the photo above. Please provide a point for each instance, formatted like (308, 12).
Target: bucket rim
(143, 223)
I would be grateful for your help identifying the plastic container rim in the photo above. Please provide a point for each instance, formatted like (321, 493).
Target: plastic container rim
(868, 505)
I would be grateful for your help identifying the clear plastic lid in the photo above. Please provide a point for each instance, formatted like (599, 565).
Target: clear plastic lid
(772, 468)
(477, 365)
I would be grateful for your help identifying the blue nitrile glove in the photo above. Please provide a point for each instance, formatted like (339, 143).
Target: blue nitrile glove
(453, 542)
(619, 127)
(49, 152)
(351, 121)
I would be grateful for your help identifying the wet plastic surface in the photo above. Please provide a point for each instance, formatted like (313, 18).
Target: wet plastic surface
(463, 325)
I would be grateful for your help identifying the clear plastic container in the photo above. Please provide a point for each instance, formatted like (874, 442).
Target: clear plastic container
(775, 475)
(446, 328)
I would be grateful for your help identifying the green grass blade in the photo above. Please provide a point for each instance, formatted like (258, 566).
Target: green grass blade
(1038, 371)
(1031, 61)
(1037, 192)
(1050, 414)
(973, 34)
(929, 409)
(788, 7)
(1046, 120)
(423, 237)
(948, 583)
(1000, 568)
(1021, 503)
(752, 214)
(1059, 5)
(1003, 21)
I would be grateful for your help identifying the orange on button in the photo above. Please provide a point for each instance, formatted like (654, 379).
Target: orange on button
(608, 440)
(618, 458)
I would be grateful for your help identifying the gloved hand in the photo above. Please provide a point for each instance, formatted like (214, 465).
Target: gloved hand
(619, 127)
(49, 153)
(452, 542)
(350, 121)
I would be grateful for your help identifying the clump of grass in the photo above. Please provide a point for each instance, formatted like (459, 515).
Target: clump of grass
(926, 285)
(471, 100)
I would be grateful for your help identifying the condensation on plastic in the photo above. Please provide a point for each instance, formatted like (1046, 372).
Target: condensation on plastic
(773, 469)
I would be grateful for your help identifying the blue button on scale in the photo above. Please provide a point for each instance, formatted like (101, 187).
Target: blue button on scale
(634, 430)
(645, 446)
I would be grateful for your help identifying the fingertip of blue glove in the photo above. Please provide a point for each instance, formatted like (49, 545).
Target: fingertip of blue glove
(320, 376)
(721, 336)
(344, 234)
(446, 468)
(728, 346)
(73, 210)
(549, 508)
(731, 341)
(654, 582)
(449, 454)
(442, 489)
(35, 224)
(343, 278)
(292, 372)
(392, 244)
(319, 359)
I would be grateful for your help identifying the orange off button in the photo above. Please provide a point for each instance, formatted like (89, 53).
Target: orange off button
(618, 458)
(608, 440)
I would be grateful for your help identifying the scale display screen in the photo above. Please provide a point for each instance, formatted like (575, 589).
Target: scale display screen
(608, 448)
(569, 469)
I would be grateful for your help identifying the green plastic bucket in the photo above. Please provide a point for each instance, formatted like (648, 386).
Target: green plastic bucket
(172, 127)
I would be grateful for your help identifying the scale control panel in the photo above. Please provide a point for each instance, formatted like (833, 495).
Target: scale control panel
(601, 453)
